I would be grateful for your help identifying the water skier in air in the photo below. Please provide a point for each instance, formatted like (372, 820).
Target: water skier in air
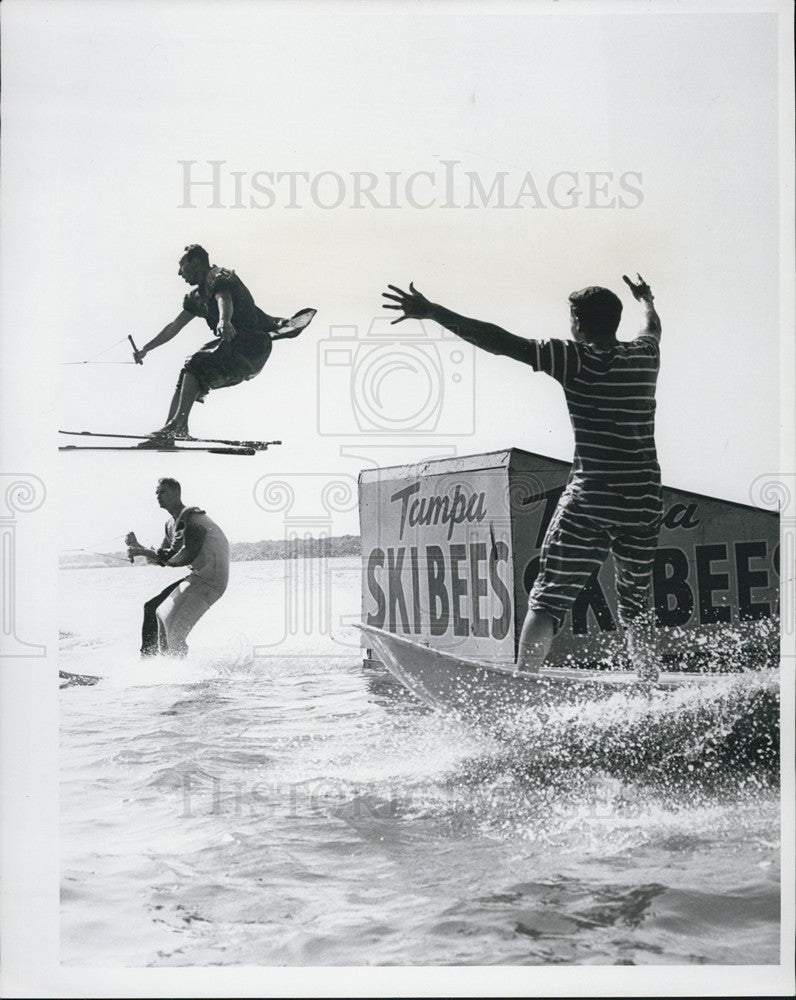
(191, 539)
(612, 501)
(244, 336)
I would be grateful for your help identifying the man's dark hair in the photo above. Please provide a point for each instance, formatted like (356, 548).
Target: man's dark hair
(196, 252)
(598, 311)
(168, 481)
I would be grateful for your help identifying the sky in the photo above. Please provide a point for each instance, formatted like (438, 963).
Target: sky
(651, 144)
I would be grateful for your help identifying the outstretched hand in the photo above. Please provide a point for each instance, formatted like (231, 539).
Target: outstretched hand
(641, 290)
(411, 303)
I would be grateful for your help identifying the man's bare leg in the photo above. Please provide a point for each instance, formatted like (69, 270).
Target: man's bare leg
(177, 423)
(181, 610)
(173, 407)
(175, 402)
(535, 640)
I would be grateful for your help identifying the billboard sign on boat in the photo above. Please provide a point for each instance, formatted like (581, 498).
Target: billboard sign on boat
(450, 549)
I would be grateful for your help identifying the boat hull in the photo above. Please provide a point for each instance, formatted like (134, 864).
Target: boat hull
(443, 680)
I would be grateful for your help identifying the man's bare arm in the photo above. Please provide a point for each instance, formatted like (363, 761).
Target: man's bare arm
(225, 329)
(166, 334)
(193, 538)
(487, 336)
(134, 548)
(643, 294)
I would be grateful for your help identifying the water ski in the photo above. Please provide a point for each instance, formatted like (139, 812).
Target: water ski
(298, 321)
(76, 680)
(443, 680)
(170, 448)
(222, 446)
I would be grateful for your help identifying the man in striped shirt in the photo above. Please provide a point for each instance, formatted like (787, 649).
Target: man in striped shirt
(612, 500)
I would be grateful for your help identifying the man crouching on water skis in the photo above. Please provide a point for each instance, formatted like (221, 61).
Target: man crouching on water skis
(191, 539)
(244, 337)
(612, 501)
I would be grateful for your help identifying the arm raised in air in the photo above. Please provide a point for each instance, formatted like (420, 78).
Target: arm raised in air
(643, 293)
(487, 336)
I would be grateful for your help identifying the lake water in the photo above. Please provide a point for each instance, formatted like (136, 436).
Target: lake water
(270, 801)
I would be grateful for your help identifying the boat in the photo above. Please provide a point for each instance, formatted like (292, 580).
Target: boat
(442, 680)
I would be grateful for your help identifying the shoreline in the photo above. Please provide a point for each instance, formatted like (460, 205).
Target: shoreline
(266, 550)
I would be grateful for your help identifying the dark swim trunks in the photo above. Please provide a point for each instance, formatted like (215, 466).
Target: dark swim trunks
(223, 363)
(152, 642)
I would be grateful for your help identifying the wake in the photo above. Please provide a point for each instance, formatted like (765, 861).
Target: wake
(727, 730)
(118, 665)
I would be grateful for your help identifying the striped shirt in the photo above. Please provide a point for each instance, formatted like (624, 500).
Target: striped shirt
(610, 394)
